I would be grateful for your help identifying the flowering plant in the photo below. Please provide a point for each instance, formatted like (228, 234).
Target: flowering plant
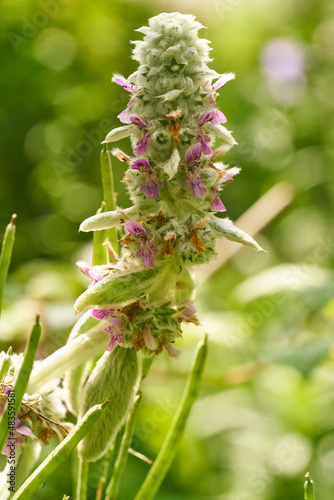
(142, 287)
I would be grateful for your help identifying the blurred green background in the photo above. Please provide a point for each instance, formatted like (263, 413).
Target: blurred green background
(266, 412)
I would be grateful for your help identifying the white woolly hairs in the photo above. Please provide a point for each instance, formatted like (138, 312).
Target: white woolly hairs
(114, 378)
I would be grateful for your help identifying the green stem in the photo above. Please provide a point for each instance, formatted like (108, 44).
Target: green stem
(5, 364)
(122, 458)
(60, 453)
(167, 453)
(108, 192)
(6, 254)
(106, 467)
(99, 237)
(82, 480)
(309, 488)
(21, 383)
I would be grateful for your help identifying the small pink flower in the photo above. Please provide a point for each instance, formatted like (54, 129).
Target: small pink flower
(16, 436)
(141, 165)
(135, 228)
(92, 272)
(204, 139)
(147, 251)
(205, 118)
(120, 80)
(193, 154)
(101, 314)
(215, 116)
(222, 80)
(151, 186)
(115, 332)
(142, 144)
(189, 309)
(124, 116)
(139, 122)
(195, 182)
(216, 204)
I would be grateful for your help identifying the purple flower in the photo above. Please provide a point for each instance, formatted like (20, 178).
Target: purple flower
(124, 116)
(222, 80)
(215, 116)
(19, 431)
(193, 154)
(92, 272)
(24, 430)
(142, 143)
(189, 309)
(195, 183)
(151, 186)
(120, 80)
(101, 314)
(203, 139)
(152, 183)
(115, 332)
(135, 228)
(219, 117)
(3, 400)
(138, 121)
(217, 205)
(141, 165)
(147, 250)
(205, 118)
(229, 174)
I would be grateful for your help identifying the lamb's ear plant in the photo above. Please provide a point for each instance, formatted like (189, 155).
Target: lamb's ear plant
(142, 287)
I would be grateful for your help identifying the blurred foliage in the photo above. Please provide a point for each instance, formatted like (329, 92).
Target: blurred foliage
(265, 415)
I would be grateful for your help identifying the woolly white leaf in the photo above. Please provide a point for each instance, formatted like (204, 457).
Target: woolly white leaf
(222, 132)
(171, 95)
(104, 220)
(171, 167)
(226, 228)
(119, 133)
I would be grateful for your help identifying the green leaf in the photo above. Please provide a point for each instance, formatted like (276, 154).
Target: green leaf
(112, 489)
(226, 228)
(87, 341)
(22, 379)
(170, 95)
(167, 453)
(60, 453)
(222, 132)
(303, 357)
(119, 133)
(104, 220)
(114, 377)
(118, 288)
(6, 364)
(172, 165)
(309, 488)
(6, 254)
(286, 278)
(75, 378)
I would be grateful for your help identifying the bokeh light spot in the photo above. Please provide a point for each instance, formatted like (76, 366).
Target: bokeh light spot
(55, 48)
